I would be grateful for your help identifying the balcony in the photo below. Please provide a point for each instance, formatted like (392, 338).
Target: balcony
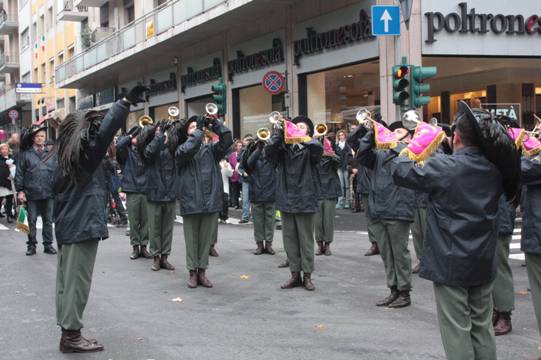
(73, 13)
(9, 62)
(91, 3)
(174, 25)
(8, 23)
(9, 98)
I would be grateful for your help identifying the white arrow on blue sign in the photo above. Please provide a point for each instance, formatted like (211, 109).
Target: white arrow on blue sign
(385, 20)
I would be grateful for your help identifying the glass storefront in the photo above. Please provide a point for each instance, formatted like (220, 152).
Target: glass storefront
(255, 106)
(197, 106)
(133, 118)
(334, 96)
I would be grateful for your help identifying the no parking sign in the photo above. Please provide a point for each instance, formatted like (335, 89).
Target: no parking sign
(274, 82)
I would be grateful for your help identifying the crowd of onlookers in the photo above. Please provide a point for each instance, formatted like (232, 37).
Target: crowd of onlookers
(9, 152)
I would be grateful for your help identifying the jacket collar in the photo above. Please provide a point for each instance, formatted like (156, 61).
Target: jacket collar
(469, 150)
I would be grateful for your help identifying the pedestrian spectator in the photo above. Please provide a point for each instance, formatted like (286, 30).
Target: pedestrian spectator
(245, 218)
(227, 172)
(343, 150)
(34, 184)
(235, 178)
(6, 178)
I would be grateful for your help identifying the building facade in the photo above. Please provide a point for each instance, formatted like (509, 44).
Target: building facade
(324, 49)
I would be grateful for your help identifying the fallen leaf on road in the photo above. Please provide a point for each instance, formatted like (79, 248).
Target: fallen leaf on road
(523, 292)
(244, 277)
(177, 299)
(139, 339)
(320, 327)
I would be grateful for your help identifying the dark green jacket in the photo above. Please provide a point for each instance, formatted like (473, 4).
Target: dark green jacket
(80, 207)
(34, 174)
(327, 175)
(200, 187)
(262, 177)
(133, 167)
(531, 205)
(297, 188)
(161, 172)
(461, 233)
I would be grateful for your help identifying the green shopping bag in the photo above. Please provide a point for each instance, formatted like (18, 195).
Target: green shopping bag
(22, 220)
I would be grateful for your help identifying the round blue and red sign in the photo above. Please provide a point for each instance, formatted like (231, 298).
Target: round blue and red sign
(274, 82)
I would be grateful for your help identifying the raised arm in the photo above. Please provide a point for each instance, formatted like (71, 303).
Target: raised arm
(187, 150)
(435, 174)
(122, 147)
(275, 147)
(531, 170)
(366, 154)
(220, 148)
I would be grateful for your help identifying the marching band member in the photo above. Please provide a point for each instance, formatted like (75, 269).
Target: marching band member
(460, 244)
(391, 208)
(134, 185)
(80, 211)
(200, 191)
(329, 185)
(262, 190)
(296, 197)
(161, 177)
(418, 227)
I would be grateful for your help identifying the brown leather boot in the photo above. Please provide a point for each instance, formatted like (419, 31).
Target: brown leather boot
(320, 248)
(135, 252)
(268, 248)
(307, 282)
(202, 279)
(373, 250)
(144, 252)
(294, 281)
(389, 299)
(401, 301)
(156, 263)
(165, 264)
(213, 252)
(284, 264)
(259, 249)
(495, 317)
(72, 342)
(328, 249)
(503, 325)
(192, 281)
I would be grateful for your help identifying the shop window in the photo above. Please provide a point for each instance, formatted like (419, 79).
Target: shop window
(255, 106)
(334, 96)
(60, 103)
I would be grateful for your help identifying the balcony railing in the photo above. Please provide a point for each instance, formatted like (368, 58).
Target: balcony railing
(8, 19)
(68, 6)
(10, 98)
(72, 13)
(11, 60)
(158, 21)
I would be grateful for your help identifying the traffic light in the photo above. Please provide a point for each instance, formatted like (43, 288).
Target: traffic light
(418, 74)
(401, 85)
(219, 96)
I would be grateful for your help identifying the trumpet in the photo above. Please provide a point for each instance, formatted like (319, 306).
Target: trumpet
(364, 117)
(320, 130)
(211, 109)
(145, 120)
(263, 134)
(173, 113)
(276, 119)
(410, 119)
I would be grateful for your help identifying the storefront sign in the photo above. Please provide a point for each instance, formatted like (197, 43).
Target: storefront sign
(465, 22)
(193, 78)
(510, 110)
(163, 86)
(315, 42)
(273, 82)
(244, 63)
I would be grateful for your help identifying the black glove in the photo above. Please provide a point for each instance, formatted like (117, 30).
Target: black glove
(201, 122)
(135, 96)
(212, 122)
(134, 131)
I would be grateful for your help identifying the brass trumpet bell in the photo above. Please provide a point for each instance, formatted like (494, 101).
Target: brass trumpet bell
(276, 119)
(320, 130)
(410, 119)
(364, 117)
(263, 134)
(145, 120)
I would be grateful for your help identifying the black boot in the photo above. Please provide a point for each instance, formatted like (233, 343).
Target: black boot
(72, 342)
(401, 301)
(192, 281)
(259, 249)
(213, 252)
(49, 249)
(135, 252)
(503, 324)
(164, 264)
(31, 250)
(268, 248)
(389, 299)
(144, 252)
(373, 250)
(320, 248)
(202, 278)
(156, 264)
(328, 249)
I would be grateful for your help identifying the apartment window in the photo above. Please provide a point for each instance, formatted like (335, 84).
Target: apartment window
(41, 25)
(50, 19)
(34, 32)
(60, 59)
(60, 103)
(104, 15)
(43, 77)
(129, 11)
(71, 52)
(51, 71)
(36, 75)
(72, 104)
(26, 78)
(25, 40)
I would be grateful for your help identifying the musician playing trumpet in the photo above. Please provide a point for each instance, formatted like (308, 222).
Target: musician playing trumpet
(297, 194)
(200, 190)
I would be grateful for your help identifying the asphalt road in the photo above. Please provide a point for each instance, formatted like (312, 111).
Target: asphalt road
(245, 316)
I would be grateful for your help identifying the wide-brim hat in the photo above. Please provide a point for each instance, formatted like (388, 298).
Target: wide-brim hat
(187, 122)
(396, 125)
(497, 146)
(306, 120)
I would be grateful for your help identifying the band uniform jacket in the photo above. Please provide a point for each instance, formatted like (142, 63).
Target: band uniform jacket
(461, 233)
(161, 172)
(200, 188)
(262, 177)
(531, 205)
(133, 167)
(80, 207)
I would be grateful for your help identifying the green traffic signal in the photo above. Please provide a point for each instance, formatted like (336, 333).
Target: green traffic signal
(401, 83)
(219, 96)
(418, 88)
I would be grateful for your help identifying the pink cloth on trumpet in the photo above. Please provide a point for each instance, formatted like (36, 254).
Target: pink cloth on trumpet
(385, 138)
(531, 145)
(517, 134)
(425, 141)
(327, 147)
(294, 135)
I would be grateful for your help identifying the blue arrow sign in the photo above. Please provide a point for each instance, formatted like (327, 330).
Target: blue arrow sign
(385, 20)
